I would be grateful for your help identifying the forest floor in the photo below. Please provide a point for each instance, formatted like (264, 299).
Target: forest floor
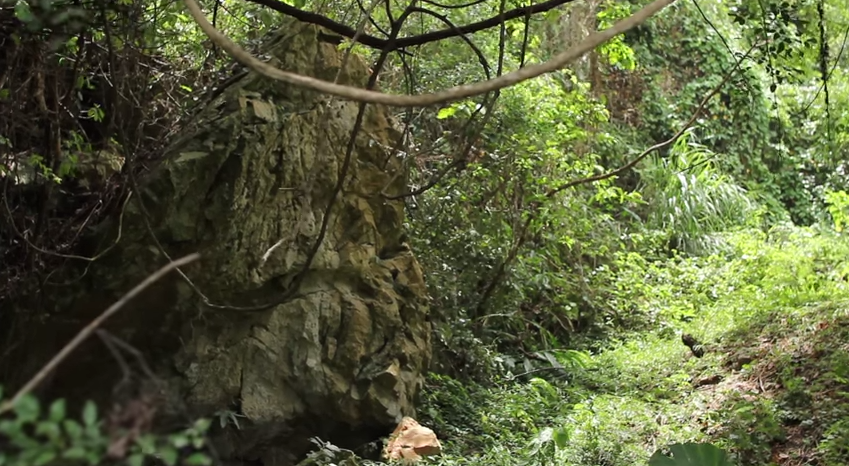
(771, 389)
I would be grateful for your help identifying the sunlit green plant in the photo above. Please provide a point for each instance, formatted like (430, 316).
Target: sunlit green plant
(837, 203)
(689, 197)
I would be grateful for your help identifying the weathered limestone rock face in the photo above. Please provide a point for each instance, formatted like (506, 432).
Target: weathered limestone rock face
(248, 188)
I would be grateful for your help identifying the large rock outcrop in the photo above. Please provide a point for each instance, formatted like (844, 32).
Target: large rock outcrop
(247, 187)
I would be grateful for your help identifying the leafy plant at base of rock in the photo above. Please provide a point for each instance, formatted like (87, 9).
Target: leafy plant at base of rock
(33, 437)
(227, 417)
(332, 455)
(469, 417)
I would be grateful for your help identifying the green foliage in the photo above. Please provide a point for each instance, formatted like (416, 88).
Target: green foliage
(33, 436)
(769, 136)
(753, 427)
(637, 258)
(792, 53)
(468, 416)
(614, 430)
(734, 168)
(771, 310)
(838, 207)
(617, 52)
(689, 197)
(835, 444)
(542, 150)
(691, 454)
(44, 14)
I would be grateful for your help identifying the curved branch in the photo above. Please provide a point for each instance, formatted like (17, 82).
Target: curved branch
(447, 95)
(454, 7)
(379, 43)
(460, 159)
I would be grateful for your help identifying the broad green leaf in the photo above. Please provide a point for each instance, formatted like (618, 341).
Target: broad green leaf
(23, 12)
(169, 455)
(7, 427)
(147, 443)
(27, 408)
(74, 453)
(691, 454)
(44, 458)
(94, 458)
(90, 413)
(136, 459)
(179, 440)
(198, 459)
(48, 429)
(202, 425)
(446, 112)
(73, 429)
(561, 438)
(57, 410)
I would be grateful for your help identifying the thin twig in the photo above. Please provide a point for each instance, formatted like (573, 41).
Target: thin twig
(91, 327)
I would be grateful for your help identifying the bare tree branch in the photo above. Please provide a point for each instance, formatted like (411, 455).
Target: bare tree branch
(447, 95)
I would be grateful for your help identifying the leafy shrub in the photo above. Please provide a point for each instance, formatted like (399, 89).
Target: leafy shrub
(32, 436)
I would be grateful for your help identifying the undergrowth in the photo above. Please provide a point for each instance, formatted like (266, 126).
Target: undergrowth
(772, 311)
